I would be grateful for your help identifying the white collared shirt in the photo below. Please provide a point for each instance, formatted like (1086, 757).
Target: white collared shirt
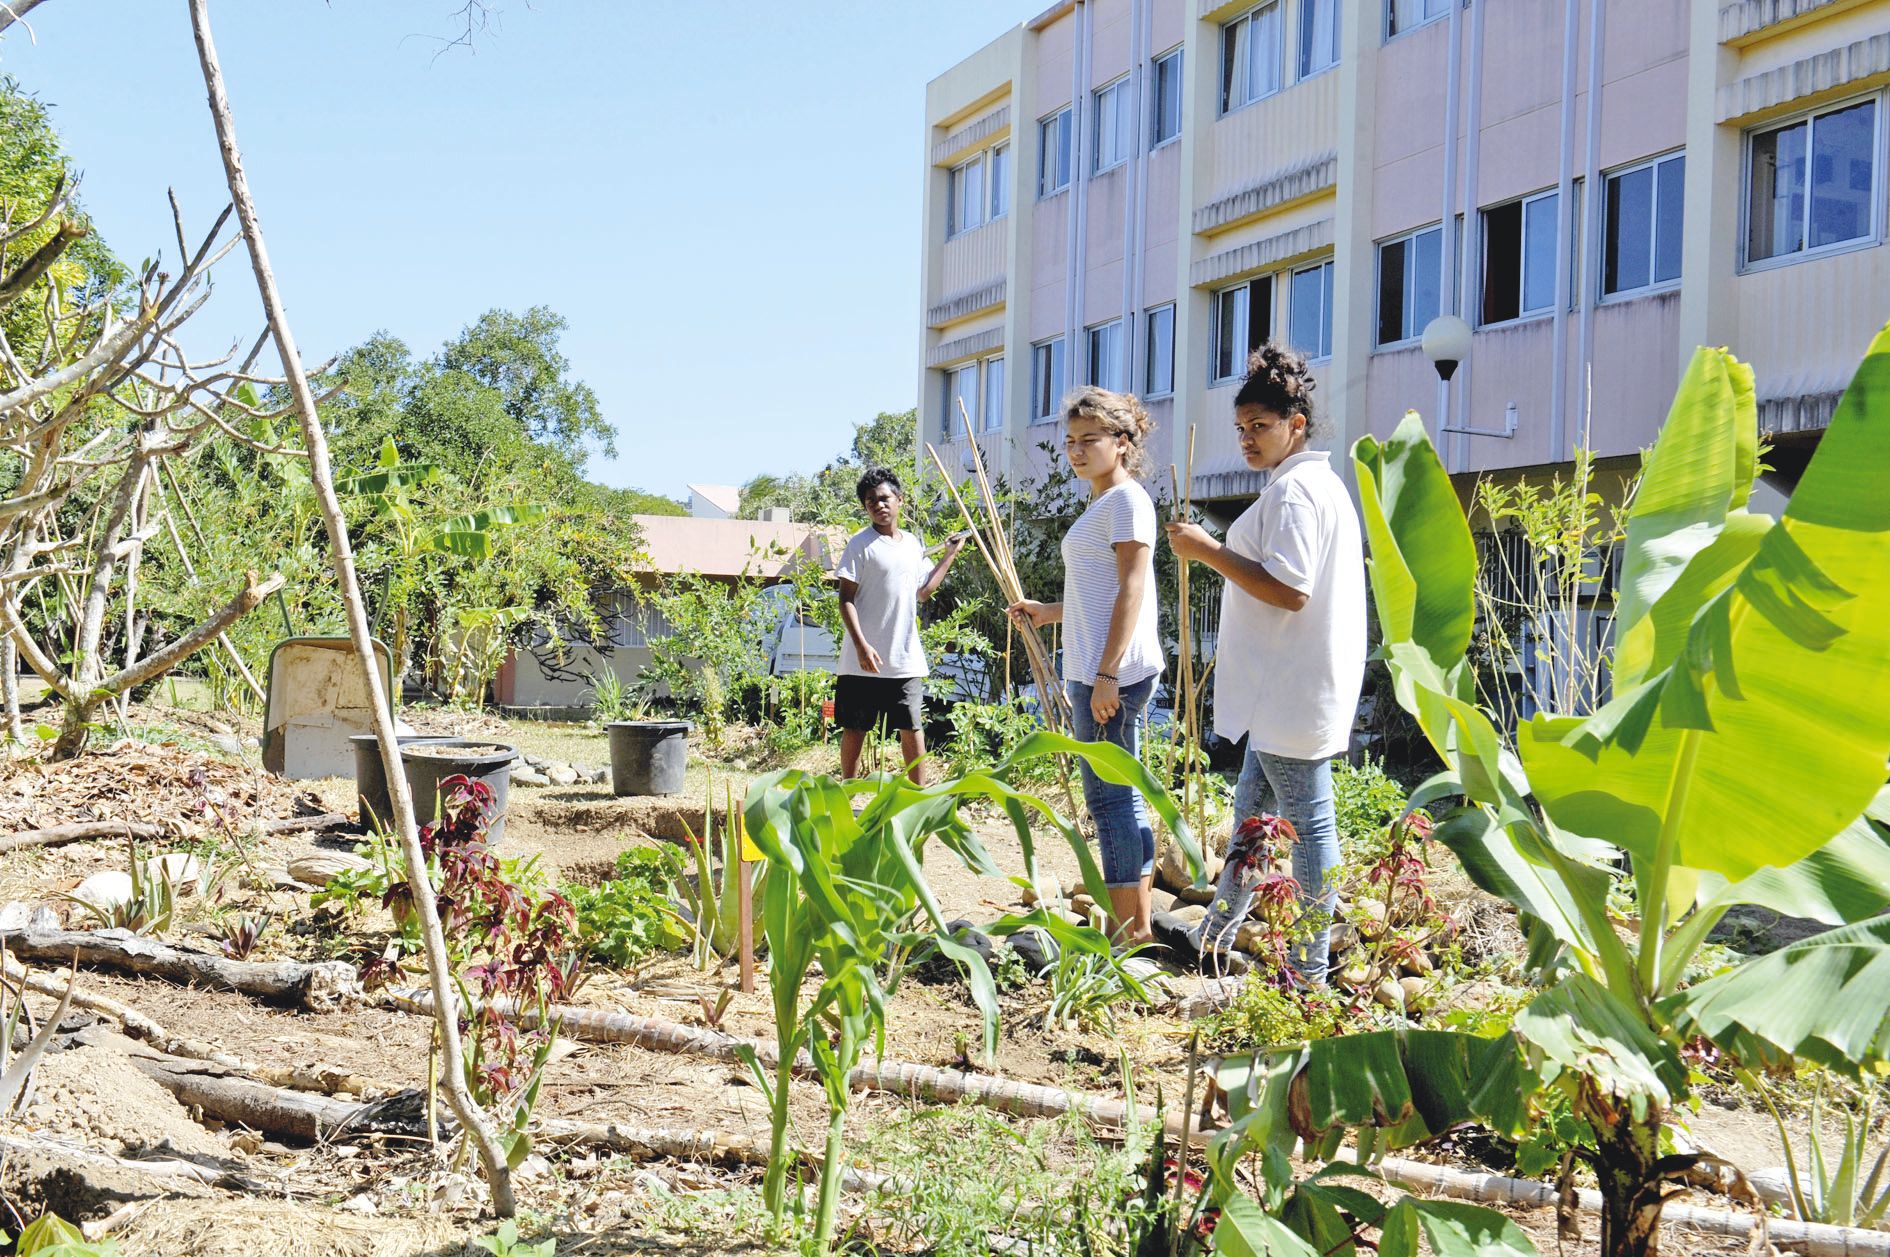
(1290, 680)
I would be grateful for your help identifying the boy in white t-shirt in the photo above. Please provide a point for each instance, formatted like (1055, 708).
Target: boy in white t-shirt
(881, 682)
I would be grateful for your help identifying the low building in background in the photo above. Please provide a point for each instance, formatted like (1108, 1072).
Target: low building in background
(554, 679)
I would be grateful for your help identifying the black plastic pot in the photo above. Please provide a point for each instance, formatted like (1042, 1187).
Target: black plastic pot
(648, 756)
(482, 759)
(376, 810)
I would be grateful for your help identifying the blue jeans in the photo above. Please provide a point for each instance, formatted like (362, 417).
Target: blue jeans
(1301, 791)
(1123, 837)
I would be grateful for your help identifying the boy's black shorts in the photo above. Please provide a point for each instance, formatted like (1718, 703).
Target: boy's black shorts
(864, 703)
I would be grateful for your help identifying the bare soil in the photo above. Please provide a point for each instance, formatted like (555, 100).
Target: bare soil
(392, 1198)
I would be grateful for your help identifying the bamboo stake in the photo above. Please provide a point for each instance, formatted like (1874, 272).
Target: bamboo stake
(1051, 696)
(480, 1129)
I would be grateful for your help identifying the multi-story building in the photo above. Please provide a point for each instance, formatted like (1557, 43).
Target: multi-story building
(1135, 192)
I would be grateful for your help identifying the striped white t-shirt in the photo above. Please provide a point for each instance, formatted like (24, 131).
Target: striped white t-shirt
(1123, 513)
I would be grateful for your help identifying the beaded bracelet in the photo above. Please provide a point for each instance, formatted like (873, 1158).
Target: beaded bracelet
(1107, 676)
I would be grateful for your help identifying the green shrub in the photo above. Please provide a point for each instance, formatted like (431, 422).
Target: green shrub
(628, 918)
(1367, 799)
(1264, 1015)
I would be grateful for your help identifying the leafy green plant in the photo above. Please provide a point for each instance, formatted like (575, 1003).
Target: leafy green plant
(984, 733)
(1367, 800)
(1266, 1015)
(958, 1178)
(625, 919)
(1734, 765)
(840, 891)
(1088, 980)
(239, 933)
(505, 1242)
(50, 1235)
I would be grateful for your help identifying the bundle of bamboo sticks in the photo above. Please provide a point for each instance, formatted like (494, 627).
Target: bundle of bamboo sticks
(1189, 683)
(995, 546)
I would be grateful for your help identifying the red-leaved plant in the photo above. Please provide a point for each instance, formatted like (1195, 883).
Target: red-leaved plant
(509, 946)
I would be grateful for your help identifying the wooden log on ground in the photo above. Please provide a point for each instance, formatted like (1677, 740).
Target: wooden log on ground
(87, 831)
(925, 1082)
(314, 987)
(190, 1171)
(228, 1097)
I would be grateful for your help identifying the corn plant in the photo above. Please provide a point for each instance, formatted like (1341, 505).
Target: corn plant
(1739, 761)
(840, 893)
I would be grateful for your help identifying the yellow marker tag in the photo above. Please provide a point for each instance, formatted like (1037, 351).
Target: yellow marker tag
(751, 854)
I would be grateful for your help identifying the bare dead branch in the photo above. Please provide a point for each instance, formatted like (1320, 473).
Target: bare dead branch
(154, 665)
(16, 284)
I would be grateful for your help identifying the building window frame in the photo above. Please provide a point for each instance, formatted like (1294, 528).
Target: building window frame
(1158, 368)
(1408, 296)
(957, 198)
(1524, 313)
(1115, 136)
(1242, 325)
(1654, 285)
(1236, 87)
(999, 190)
(1303, 63)
(1424, 16)
(1328, 273)
(954, 427)
(1111, 335)
(1164, 76)
(1049, 378)
(991, 393)
(1808, 118)
(1056, 143)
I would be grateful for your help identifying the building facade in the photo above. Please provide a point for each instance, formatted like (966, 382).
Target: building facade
(1135, 192)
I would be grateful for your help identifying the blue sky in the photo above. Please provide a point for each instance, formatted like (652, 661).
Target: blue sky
(723, 200)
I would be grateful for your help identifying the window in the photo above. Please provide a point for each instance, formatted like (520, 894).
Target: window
(999, 177)
(961, 387)
(1812, 184)
(993, 394)
(1115, 125)
(1410, 273)
(1107, 367)
(1640, 226)
(1158, 359)
(1164, 106)
(1519, 259)
(1243, 321)
(1310, 329)
(1053, 153)
(1252, 48)
(965, 208)
(1406, 15)
(1318, 36)
(1046, 379)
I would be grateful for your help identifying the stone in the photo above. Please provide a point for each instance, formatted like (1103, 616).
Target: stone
(44, 918)
(227, 744)
(14, 915)
(1189, 915)
(105, 891)
(1052, 891)
(1082, 905)
(526, 775)
(252, 743)
(318, 868)
(598, 776)
(1416, 990)
(1213, 995)
(183, 869)
(1036, 949)
(562, 775)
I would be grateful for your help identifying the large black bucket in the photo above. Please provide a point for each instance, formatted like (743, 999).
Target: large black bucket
(648, 756)
(376, 810)
(429, 763)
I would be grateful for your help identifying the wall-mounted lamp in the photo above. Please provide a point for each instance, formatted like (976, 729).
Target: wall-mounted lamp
(1446, 343)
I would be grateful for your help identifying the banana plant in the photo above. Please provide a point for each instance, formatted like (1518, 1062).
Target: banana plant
(1740, 761)
(842, 889)
(388, 490)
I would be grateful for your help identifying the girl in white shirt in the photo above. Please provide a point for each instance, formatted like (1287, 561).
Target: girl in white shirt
(1111, 652)
(1291, 658)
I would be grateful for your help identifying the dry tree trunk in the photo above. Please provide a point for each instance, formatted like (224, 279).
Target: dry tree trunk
(479, 1128)
(10, 688)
